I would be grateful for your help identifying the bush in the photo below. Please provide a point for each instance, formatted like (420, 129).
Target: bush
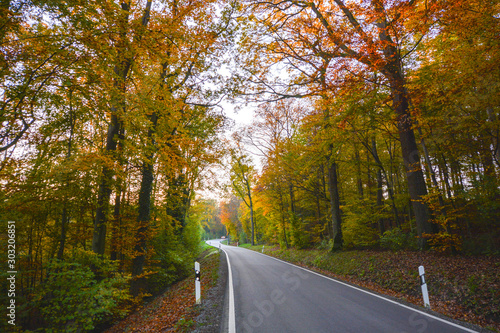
(300, 237)
(359, 223)
(173, 255)
(325, 244)
(395, 239)
(76, 299)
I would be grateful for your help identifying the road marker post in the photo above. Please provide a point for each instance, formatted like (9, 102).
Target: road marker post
(423, 284)
(262, 248)
(197, 277)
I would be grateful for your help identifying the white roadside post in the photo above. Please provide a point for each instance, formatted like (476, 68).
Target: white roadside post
(197, 275)
(425, 293)
(262, 248)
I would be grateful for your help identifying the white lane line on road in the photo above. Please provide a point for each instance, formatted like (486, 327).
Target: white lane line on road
(370, 293)
(232, 321)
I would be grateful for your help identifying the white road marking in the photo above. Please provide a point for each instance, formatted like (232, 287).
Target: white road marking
(232, 319)
(373, 294)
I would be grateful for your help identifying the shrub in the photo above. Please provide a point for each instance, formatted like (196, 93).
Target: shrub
(173, 255)
(359, 223)
(75, 298)
(300, 237)
(395, 239)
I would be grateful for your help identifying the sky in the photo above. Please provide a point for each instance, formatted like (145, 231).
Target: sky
(240, 117)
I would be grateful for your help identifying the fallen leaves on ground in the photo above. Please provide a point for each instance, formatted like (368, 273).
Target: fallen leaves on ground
(175, 310)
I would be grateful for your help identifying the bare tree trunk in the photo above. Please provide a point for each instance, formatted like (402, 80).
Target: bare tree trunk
(380, 202)
(65, 217)
(335, 205)
(390, 191)
(138, 283)
(116, 232)
(392, 70)
(359, 182)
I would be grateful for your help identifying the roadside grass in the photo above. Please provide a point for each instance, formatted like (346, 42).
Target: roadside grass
(465, 288)
(248, 246)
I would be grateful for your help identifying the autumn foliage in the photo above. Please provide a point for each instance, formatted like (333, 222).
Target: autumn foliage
(108, 122)
(377, 126)
(395, 134)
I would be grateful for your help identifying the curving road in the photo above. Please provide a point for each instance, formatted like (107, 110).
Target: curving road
(269, 295)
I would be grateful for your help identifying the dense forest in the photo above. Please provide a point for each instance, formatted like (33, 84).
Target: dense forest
(383, 131)
(377, 125)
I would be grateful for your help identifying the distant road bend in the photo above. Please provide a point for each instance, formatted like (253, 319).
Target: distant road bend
(271, 296)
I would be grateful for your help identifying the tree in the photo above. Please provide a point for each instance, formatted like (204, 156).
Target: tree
(122, 65)
(356, 38)
(229, 217)
(242, 175)
(95, 103)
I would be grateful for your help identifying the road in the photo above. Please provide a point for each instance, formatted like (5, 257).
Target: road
(269, 295)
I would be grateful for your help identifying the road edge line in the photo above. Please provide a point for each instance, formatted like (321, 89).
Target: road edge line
(231, 320)
(466, 329)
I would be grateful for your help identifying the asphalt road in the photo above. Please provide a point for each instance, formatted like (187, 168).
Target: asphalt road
(269, 295)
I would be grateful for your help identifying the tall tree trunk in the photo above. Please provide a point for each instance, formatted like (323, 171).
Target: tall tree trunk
(435, 184)
(414, 175)
(62, 239)
(121, 70)
(359, 182)
(252, 221)
(65, 217)
(116, 226)
(446, 177)
(104, 192)
(335, 205)
(282, 214)
(250, 205)
(392, 70)
(380, 201)
(138, 283)
(495, 134)
(369, 181)
(116, 244)
(390, 191)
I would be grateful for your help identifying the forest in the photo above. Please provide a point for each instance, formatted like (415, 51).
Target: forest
(376, 125)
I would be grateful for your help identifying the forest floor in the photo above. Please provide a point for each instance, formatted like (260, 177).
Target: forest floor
(465, 288)
(176, 311)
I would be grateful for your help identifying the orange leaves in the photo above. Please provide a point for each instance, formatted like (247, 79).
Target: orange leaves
(163, 313)
(175, 309)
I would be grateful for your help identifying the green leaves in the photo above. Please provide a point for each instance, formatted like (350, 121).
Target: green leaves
(76, 297)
